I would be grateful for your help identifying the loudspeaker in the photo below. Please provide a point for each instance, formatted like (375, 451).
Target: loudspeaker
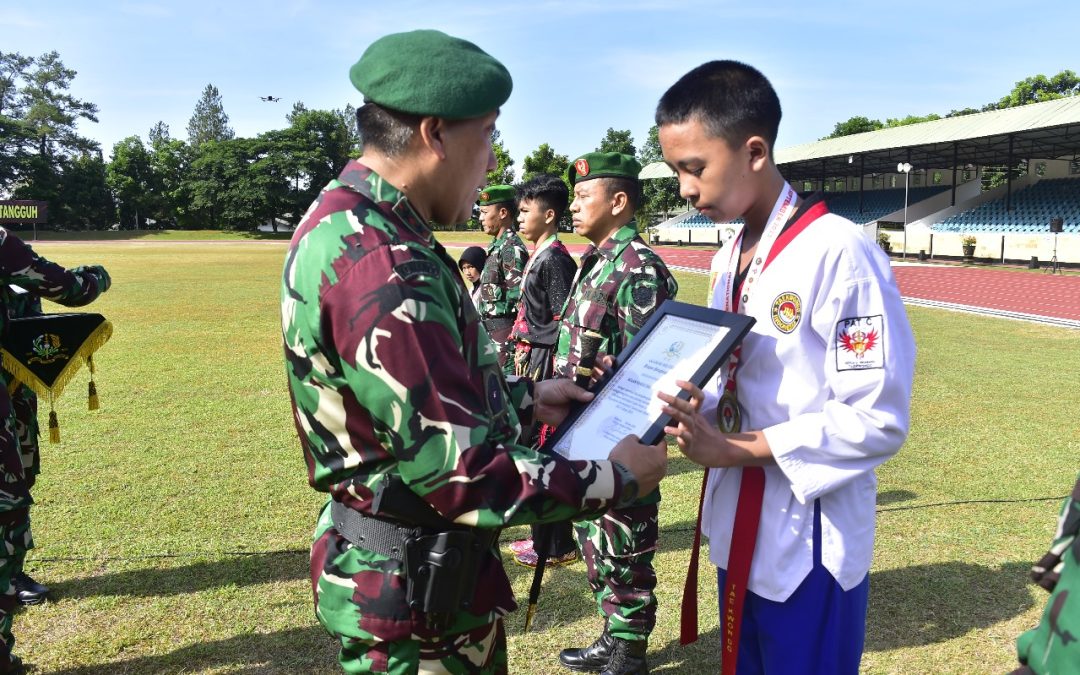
(1056, 225)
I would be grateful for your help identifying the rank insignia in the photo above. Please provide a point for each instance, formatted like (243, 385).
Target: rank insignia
(860, 343)
(484, 196)
(786, 312)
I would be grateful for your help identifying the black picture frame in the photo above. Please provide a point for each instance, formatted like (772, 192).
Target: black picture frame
(738, 326)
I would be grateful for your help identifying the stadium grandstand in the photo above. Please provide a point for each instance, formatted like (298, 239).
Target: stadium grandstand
(958, 185)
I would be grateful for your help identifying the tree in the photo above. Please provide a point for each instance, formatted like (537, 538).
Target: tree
(911, 119)
(14, 134)
(130, 176)
(618, 141)
(170, 160)
(1040, 88)
(209, 121)
(85, 188)
(159, 133)
(855, 125)
(545, 160)
(660, 196)
(504, 168)
(348, 118)
(314, 149)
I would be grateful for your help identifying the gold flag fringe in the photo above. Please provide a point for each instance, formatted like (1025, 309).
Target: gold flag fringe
(83, 354)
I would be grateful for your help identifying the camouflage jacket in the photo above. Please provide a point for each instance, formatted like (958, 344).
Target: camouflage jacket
(19, 265)
(500, 280)
(390, 373)
(544, 290)
(617, 288)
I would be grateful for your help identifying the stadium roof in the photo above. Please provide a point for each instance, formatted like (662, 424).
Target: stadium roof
(1048, 130)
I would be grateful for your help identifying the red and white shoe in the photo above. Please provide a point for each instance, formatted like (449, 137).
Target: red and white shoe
(521, 546)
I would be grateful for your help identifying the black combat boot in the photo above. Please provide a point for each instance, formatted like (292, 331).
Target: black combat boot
(628, 658)
(29, 591)
(591, 659)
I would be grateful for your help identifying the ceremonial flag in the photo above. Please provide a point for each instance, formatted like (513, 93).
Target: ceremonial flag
(44, 352)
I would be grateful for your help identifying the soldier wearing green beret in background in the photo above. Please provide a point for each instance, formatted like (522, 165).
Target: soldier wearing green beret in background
(402, 411)
(619, 284)
(500, 281)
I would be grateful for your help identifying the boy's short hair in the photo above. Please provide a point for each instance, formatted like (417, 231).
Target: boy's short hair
(549, 192)
(732, 100)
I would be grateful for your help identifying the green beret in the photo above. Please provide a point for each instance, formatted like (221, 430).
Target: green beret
(497, 194)
(427, 72)
(602, 165)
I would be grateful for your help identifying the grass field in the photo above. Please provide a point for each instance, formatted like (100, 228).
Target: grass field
(173, 524)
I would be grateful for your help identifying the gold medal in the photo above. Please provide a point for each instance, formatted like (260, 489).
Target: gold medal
(728, 417)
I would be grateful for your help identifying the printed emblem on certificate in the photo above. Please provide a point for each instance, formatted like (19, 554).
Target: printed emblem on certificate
(679, 342)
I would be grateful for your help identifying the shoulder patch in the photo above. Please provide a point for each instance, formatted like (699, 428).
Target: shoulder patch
(860, 343)
(786, 312)
(411, 269)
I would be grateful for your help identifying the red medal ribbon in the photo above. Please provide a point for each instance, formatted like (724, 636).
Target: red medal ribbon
(752, 482)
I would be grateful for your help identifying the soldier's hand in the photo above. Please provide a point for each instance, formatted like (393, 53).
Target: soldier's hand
(97, 271)
(648, 463)
(605, 363)
(552, 399)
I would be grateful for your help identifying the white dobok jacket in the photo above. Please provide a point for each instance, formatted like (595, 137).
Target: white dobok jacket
(826, 373)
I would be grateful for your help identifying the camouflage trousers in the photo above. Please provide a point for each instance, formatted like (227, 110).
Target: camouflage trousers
(14, 537)
(350, 604)
(618, 550)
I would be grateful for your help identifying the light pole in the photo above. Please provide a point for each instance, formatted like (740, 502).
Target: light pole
(905, 168)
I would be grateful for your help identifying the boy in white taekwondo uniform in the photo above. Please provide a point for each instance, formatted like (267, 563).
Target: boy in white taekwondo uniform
(815, 398)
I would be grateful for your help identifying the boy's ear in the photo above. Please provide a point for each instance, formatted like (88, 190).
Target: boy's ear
(758, 152)
(549, 216)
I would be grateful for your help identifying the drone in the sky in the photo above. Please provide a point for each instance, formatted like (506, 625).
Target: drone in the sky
(271, 99)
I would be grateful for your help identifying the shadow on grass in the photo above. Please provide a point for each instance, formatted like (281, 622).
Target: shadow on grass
(297, 650)
(246, 570)
(895, 496)
(702, 656)
(927, 604)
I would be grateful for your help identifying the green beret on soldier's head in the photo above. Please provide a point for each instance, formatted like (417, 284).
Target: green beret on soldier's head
(497, 194)
(427, 72)
(602, 165)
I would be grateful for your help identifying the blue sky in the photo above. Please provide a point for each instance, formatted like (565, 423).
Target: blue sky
(578, 67)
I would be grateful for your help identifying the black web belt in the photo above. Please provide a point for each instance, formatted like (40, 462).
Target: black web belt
(387, 537)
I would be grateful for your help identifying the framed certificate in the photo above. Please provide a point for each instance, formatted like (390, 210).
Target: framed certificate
(679, 342)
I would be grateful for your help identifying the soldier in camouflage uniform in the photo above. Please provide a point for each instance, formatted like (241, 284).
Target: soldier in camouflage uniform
(620, 283)
(402, 411)
(16, 302)
(500, 281)
(1053, 647)
(19, 265)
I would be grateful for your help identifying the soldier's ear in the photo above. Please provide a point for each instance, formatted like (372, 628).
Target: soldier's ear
(432, 132)
(619, 202)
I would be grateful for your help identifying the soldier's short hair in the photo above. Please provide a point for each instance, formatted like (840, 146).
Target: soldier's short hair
(384, 130)
(631, 186)
(547, 191)
(732, 100)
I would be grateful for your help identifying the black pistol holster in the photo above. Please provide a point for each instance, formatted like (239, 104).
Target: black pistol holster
(441, 560)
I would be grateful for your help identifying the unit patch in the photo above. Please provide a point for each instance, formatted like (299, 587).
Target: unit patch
(582, 167)
(786, 312)
(860, 343)
(411, 269)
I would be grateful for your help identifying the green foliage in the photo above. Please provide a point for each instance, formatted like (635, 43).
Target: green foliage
(661, 195)
(504, 164)
(209, 121)
(1040, 88)
(131, 178)
(618, 141)
(545, 160)
(855, 125)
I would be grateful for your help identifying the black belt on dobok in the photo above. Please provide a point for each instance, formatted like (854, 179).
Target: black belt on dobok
(389, 537)
(495, 323)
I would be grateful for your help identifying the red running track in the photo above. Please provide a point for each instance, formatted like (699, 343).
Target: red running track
(1040, 294)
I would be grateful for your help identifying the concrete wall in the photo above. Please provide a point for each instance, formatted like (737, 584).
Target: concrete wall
(988, 245)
